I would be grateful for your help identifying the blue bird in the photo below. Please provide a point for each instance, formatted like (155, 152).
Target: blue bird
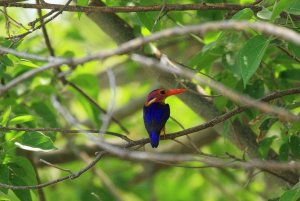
(156, 113)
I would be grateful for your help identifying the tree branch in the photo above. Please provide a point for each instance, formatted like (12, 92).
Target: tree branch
(74, 176)
(67, 131)
(128, 9)
(241, 99)
(126, 47)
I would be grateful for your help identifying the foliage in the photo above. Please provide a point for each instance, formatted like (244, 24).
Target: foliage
(248, 62)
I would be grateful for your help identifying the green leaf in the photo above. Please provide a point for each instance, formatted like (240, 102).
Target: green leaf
(27, 64)
(46, 113)
(265, 14)
(291, 195)
(295, 49)
(250, 56)
(244, 14)
(291, 74)
(21, 119)
(22, 173)
(264, 146)
(256, 89)
(81, 3)
(4, 197)
(23, 169)
(294, 128)
(148, 19)
(35, 141)
(280, 6)
(4, 174)
(284, 152)
(206, 56)
(295, 145)
(294, 8)
(5, 116)
(88, 82)
(23, 195)
(5, 61)
(267, 123)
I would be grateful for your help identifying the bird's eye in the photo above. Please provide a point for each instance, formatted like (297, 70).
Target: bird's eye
(162, 92)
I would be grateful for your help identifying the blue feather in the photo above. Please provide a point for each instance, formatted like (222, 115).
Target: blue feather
(155, 118)
(154, 139)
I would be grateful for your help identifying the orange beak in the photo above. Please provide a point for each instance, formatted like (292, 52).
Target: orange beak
(175, 91)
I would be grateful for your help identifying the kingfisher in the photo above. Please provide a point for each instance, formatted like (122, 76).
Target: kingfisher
(157, 112)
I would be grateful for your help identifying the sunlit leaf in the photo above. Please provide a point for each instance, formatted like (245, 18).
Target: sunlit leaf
(5, 116)
(26, 63)
(81, 3)
(35, 141)
(21, 119)
(4, 197)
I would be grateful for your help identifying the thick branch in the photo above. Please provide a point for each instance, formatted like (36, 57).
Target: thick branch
(126, 47)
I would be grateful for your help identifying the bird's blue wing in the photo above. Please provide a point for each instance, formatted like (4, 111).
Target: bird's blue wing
(155, 118)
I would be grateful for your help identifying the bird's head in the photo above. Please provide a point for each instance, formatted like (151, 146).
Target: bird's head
(159, 95)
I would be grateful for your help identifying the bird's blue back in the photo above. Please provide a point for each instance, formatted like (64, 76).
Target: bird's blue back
(155, 118)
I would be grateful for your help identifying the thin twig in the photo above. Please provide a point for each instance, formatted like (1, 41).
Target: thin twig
(4, 50)
(18, 24)
(67, 131)
(32, 23)
(287, 52)
(44, 30)
(7, 22)
(160, 15)
(57, 167)
(74, 176)
(98, 172)
(20, 36)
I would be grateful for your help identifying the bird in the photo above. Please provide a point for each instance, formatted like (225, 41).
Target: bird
(156, 113)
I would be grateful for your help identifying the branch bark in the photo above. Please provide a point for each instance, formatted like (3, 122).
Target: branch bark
(93, 8)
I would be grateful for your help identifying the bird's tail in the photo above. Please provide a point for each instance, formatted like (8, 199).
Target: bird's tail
(154, 139)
